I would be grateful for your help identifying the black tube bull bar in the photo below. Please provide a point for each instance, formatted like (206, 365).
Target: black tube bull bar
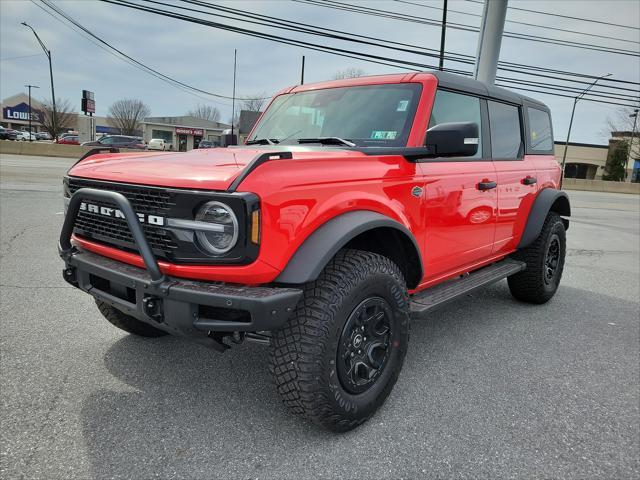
(179, 306)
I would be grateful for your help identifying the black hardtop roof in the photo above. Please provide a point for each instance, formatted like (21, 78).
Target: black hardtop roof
(467, 84)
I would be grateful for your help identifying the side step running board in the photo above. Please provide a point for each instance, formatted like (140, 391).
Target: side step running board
(432, 298)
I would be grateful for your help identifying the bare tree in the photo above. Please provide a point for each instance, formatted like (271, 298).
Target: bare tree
(127, 115)
(255, 103)
(63, 120)
(622, 121)
(350, 72)
(206, 112)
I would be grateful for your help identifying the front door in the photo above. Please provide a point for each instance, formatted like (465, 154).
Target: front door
(460, 196)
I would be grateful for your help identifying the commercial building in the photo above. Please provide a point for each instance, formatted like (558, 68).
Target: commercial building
(183, 133)
(633, 155)
(584, 160)
(588, 161)
(15, 115)
(248, 119)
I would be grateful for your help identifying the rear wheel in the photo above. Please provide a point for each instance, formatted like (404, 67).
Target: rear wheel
(545, 262)
(339, 355)
(128, 323)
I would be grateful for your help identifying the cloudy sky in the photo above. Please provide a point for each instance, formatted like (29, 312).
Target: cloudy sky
(203, 57)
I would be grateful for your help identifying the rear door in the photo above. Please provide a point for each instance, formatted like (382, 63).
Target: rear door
(460, 194)
(517, 182)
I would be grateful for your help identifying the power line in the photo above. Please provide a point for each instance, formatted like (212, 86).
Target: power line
(464, 27)
(145, 68)
(335, 51)
(535, 25)
(21, 56)
(275, 22)
(110, 52)
(564, 16)
(360, 55)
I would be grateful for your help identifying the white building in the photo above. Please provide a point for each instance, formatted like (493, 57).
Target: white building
(183, 133)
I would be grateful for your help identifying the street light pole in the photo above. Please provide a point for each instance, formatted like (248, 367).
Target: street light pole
(53, 93)
(573, 111)
(30, 87)
(233, 99)
(634, 115)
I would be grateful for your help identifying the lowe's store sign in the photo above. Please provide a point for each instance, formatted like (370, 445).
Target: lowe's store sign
(21, 112)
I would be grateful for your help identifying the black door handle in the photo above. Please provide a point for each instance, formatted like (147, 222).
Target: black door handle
(487, 185)
(528, 180)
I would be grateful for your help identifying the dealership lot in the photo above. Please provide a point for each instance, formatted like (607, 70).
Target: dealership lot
(491, 388)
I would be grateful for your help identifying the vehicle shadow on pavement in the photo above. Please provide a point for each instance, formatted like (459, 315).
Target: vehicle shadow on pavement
(188, 412)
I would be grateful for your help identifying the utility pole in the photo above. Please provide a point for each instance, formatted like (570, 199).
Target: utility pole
(53, 93)
(442, 35)
(573, 111)
(233, 100)
(302, 72)
(491, 28)
(30, 87)
(634, 115)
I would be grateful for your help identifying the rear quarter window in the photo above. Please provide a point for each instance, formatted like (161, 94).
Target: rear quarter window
(539, 126)
(506, 138)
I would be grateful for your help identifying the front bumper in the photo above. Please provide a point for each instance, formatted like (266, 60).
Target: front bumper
(181, 307)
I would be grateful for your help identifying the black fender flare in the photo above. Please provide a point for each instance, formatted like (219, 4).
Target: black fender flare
(545, 201)
(322, 245)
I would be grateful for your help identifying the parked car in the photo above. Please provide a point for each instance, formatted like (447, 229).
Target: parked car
(8, 134)
(43, 136)
(118, 141)
(355, 206)
(68, 140)
(208, 144)
(25, 136)
(159, 144)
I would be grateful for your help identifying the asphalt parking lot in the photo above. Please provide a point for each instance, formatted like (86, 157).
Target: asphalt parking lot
(491, 388)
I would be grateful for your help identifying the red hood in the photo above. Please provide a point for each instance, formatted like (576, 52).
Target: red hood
(207, 169)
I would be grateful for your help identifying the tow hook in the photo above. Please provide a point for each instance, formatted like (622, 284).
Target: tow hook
(152, 307)
(69, 274)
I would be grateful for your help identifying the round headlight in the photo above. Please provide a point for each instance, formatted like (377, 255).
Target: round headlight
(219, 240)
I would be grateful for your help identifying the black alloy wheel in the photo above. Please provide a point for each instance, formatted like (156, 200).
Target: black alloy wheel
(364, 347)
(552, 260)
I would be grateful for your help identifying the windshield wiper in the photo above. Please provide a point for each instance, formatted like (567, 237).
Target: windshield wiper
(263, 141)
(328, 141)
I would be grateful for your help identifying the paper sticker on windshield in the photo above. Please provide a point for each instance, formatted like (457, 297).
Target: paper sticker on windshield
(383, 135)
(402, 106)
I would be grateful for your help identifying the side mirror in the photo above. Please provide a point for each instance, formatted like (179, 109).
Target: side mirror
(459, 139)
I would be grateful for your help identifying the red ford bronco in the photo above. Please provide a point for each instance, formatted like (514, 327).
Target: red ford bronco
(353, 207)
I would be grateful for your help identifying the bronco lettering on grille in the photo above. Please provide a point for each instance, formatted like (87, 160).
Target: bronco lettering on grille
(115, 213)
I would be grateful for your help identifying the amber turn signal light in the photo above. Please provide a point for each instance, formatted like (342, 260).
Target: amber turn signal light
(255, 227)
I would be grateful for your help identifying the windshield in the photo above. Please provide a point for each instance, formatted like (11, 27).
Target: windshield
(370, 115)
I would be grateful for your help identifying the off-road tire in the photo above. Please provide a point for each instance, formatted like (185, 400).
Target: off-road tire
(532, 284)
(128, 323)
(304, 352)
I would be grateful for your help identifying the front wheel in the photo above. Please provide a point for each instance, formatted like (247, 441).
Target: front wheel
(545, 262)
(340, 354)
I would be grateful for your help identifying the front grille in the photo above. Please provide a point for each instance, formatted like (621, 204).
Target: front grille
(115, 231)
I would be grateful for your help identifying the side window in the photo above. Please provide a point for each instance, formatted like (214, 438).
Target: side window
(106, 140)
(539, 130)
(451, 107)
(506, 136)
